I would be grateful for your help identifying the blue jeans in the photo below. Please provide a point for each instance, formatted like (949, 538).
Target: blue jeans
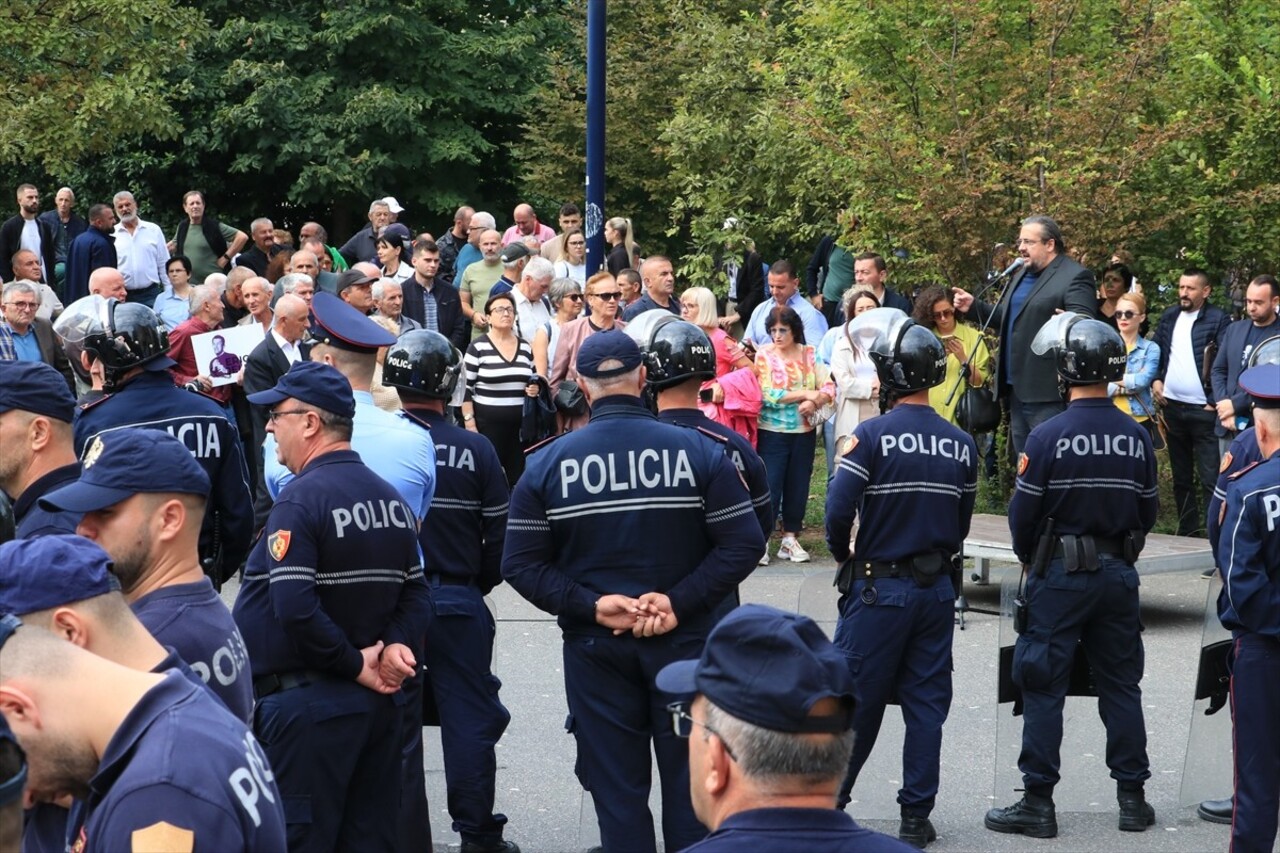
(788, 460)
(1025, 416)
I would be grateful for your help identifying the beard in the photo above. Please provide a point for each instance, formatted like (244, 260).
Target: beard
(129, 565)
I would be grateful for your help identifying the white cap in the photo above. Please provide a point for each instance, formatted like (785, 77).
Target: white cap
(393, 205)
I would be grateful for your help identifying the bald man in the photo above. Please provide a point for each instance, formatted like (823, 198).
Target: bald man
(527, 225)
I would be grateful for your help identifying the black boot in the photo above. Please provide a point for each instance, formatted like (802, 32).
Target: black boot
(1135, 813)
(1215, 811)
(1031, 816)
(916, 830)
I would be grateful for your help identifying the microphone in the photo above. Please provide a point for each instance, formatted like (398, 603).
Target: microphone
(1018, 263)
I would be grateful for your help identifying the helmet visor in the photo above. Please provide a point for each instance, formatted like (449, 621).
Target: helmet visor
(878, 328)
(1053, 334)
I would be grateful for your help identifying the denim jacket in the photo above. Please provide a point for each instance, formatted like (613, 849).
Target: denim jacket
(1139, 373)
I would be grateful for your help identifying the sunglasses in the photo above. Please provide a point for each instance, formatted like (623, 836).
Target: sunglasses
(576, 297)
(943, 315)
(610, 296)
(1126, 315)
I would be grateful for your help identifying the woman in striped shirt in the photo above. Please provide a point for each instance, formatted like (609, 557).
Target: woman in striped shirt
(499, 365)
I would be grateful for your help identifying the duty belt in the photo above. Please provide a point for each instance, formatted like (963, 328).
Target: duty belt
(266, 685)
(1081, 553)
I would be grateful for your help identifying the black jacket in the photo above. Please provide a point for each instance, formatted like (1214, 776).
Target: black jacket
(11, 244)
(453, 323)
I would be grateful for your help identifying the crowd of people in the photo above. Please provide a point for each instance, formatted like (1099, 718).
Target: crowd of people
(420, 418)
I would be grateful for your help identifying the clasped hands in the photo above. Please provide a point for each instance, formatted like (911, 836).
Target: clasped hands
(647, 616)
(386, 667)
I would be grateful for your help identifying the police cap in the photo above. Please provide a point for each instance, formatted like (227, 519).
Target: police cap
(1262, 383)
(313, 382)
(33, 386)
(51, 571)
(612, 345)
(122, 463)
(339, 325)
(768, 667)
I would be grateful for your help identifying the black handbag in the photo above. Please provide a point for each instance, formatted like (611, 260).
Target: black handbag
(570, 399)
(978, 411)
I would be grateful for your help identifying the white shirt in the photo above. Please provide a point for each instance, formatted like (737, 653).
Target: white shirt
(530, 316)
(577, 272)
(1182, 378)
(142, 255)
(30, 241)
(290, 350)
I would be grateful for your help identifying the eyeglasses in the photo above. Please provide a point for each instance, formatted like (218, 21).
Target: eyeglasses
(609, 296)
(30, 306)
(576, 297)
(780, 330)
(1126, 315)
(503, 309)
(275, 416)
(577, 243)
(682, 724)
(1025, 241)
(944, 315)
(475, 227)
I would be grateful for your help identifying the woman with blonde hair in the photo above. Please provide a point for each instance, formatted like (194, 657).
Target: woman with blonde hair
(623, 251)
(1132, 394)
(733, 397)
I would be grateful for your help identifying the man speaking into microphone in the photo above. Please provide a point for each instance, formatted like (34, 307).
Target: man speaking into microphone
(1045, 282)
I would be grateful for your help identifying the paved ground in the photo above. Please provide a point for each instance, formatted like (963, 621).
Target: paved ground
(538, 792)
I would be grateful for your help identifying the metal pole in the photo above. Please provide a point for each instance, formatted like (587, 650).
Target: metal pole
(594, 214)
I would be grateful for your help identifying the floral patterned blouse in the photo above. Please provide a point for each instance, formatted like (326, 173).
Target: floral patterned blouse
(779, 377)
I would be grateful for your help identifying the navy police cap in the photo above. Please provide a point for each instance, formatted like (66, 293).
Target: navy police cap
(339, 325)
(612, 345)
(769, 668)
(121, 463)
(52, 571)
(35, 387)
(1262, 383)
(313, 382)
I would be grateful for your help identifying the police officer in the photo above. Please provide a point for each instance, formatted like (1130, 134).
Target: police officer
(897, 601)
(142, 497)
(769, 729)
(332, 604)
(125, 728)
(634, 533)
(393, 447)
(1249, 606)
(678, 358)
(461, 541)
(130, 344)
(1084, 502)
(36, 455)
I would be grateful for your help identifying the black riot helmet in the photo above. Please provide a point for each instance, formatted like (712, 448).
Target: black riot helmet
(1085, 351)
(674, 350)
(121, 335)
(425, 362)
(908, 357)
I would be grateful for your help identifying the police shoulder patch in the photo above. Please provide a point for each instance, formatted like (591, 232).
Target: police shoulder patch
(1023, 462)
(1226, 462)
(1245, 470)
(162, 837)
(278, 544)
(849, 444)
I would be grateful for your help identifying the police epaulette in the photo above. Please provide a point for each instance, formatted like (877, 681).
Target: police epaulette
(84, 407)
(1236, 475)
(205, 394)
(541, 444)
(410, 416)
(715, 436)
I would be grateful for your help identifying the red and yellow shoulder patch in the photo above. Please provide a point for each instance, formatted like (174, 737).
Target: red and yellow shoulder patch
(1023, 462)
(1226, 462)
(849, 444)
(278, 544)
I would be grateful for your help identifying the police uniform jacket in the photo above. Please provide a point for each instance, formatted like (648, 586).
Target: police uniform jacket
(469, 506)
(1091, 469)
(396, 449)
(662, 511)
(335, 570)
(908, 470)
(182, 773)
(1250, 551)
(741, 453)
(810, 830)
(151, 401)
(33, 521)
(1242, 453)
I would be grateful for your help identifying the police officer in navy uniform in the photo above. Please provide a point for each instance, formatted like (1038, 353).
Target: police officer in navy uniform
(769, 727)
(897, 601)
(332, 604)
(161, 764)
(142, 497)
(634, 533)
(131, 344)
(36, 410)
(1084, 502)
(1249, 606)
(678, 358)
(461, 541)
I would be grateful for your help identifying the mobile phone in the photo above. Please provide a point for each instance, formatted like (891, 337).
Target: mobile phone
(705, 395)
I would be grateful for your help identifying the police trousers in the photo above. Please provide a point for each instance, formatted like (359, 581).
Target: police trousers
(900, 646)
(472, 718)
(615, 712)
(1255, 706)
(335, 749)
(1099, 611)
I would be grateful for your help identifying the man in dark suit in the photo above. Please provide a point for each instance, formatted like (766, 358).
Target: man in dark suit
(1048, 282)
(25, 230)
(444, 315)
(265, 365)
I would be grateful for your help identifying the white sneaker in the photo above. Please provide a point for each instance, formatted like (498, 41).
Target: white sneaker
(764, 561)
(791, 550)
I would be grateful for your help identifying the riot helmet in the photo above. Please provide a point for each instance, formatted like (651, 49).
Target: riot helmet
(121, 335)
(908, 357)
(1267, 352)
(1085, 351)
(425, 362)
(674, 350)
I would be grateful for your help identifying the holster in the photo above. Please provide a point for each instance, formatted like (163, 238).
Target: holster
(926, 567)
(1079, 554)
(1044, 549)
(844, 576)
(1134, 542)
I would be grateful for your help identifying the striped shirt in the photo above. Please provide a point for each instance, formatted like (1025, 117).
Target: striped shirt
(493, 380)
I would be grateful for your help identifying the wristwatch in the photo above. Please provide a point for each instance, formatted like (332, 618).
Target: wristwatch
(468, 418)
